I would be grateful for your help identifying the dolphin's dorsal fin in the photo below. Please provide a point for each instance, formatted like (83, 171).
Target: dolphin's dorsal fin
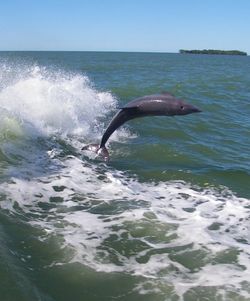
(136, 103)
(167, 93)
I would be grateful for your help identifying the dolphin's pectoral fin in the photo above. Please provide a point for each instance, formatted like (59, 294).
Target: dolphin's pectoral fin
(100, 151)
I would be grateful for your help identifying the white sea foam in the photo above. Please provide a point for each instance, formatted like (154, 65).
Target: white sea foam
(106, 219)
(53, 102)
(161, 219)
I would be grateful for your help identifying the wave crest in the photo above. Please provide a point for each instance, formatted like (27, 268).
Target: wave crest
(52, 102)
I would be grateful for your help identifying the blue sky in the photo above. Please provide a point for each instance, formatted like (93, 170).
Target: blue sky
(124, 25)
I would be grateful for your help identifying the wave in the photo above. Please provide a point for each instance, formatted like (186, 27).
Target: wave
(38, 102)
(52, 102)
(171, 234)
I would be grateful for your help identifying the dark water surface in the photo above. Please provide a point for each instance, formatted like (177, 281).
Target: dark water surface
(166, 219)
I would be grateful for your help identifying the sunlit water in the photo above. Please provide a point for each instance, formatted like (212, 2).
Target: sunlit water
(166, 219)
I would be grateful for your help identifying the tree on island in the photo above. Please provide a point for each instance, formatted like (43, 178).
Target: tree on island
(212, 51)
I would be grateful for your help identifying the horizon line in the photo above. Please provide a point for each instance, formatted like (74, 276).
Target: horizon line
(133, 51)
(119, 51)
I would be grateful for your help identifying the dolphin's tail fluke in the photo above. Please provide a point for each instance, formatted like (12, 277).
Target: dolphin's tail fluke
(100, 151)
(103, 152)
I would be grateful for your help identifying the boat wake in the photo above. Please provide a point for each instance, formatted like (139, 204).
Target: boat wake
(172, 237)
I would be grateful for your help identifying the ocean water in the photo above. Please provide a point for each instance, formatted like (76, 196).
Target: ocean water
(166, 219)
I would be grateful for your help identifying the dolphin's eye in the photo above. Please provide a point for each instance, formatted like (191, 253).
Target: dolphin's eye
(182, 108)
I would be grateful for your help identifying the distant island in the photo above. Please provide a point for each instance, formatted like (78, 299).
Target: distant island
(212, 51)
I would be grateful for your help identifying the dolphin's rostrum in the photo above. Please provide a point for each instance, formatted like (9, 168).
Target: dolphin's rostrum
(164, 104)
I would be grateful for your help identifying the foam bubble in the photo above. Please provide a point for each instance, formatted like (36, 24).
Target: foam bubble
(171, 232)
(53, 102)
(173, 235)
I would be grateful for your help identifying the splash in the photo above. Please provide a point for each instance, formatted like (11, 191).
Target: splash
(50, 103)
(175, 237)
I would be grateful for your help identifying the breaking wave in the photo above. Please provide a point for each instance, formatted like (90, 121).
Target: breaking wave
(172, 234)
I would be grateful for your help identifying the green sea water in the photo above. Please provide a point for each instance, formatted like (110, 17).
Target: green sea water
(166, 219)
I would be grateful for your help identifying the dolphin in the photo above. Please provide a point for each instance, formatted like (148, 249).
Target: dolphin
(164, 104)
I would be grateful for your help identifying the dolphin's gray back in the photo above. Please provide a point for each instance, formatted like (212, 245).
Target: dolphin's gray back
(164, 97)
(150, 104)
(139, 107)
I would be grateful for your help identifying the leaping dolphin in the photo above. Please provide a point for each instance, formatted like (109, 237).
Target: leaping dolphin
(164, 104)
